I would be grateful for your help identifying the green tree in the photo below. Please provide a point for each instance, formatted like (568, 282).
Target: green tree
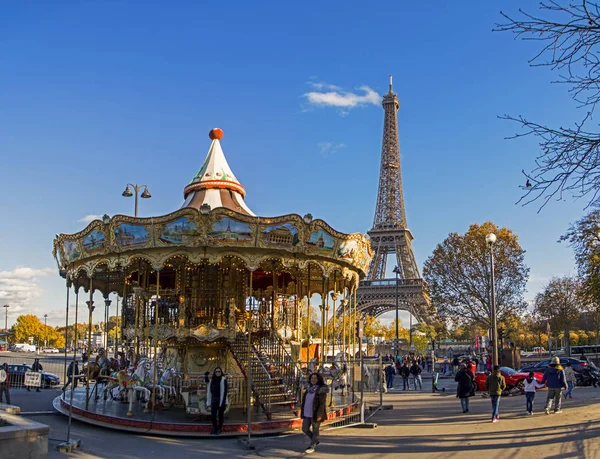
(560, 303)
(458, 274)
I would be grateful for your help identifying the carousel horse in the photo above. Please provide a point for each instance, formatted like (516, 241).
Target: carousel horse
(145, 373)
(167, 380)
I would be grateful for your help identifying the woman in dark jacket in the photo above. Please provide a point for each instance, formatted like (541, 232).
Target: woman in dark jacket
(216, 398)
(314, 409)
(465, 387)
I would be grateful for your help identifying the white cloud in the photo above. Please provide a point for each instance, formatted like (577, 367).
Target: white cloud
(18, 287)
(329, 147)
(328, 95)
(89, 218)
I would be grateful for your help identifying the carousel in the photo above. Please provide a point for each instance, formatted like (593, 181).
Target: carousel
(212, 285)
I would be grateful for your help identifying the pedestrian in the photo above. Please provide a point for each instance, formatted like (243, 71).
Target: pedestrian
(570, 378)
(531, 384)
(465, 387)
(495, 385)
(471, 367)
(314, 409)
(488, 364)
(390, 371)
(405, 373)
(72, 373)
(5, 383)
(446, 365)
(37, 367)
(455, 364)
(216, 398)
(554, 378)
(415, 371)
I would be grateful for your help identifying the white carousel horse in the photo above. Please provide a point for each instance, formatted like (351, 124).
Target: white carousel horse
(145, 373)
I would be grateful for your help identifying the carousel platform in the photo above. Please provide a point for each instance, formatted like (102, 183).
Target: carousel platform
(174, 421)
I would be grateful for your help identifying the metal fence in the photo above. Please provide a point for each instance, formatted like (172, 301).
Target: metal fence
(52, 374)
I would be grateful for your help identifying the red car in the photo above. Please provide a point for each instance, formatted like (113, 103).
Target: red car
(514, 379)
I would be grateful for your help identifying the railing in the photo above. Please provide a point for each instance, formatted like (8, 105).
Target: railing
(390, 282)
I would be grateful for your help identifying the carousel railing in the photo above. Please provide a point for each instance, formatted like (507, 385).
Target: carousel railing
(249, 361)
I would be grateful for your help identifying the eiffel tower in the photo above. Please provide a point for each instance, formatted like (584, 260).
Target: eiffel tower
(390, 235)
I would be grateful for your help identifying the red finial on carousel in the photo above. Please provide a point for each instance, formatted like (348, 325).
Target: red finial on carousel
(216, 134)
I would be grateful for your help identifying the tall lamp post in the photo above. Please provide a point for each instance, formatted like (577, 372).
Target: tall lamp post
(145, 194)
(491, 239)
(6, 306)
(45, 331)
(397, 344)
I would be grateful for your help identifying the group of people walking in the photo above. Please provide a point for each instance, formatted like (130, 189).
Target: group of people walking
(556, 379)
(407, 370)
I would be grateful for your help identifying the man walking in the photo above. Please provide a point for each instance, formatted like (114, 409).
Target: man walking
(390, 371)
(37, 367)
(72, 373)
(495, 385)
(554, 378)
(5, 383)
(415, 371)
(405, 373)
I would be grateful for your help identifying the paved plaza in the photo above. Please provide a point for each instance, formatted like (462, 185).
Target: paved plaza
(420, 425)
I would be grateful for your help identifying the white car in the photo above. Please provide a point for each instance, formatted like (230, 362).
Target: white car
(50, 350)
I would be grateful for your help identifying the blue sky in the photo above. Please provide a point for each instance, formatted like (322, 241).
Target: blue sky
(96, 95)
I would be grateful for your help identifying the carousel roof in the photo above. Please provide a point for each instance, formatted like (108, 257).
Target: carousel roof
(215, 184)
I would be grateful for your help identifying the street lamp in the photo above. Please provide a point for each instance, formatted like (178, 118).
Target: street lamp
(6, 306)
(397, 272)
(491, 239)
(45, 331)
(145, 194)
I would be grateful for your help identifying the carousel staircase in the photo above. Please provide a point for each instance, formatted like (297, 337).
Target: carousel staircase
(272, 383)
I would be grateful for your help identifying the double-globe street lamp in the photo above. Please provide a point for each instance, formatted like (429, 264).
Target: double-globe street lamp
(491, 239)
(145, 194)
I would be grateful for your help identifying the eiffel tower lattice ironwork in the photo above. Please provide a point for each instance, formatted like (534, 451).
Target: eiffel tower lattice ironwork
(390, 235)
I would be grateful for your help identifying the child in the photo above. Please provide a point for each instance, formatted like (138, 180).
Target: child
(531, 385)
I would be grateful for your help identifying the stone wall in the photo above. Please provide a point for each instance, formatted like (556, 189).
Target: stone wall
(24, 438)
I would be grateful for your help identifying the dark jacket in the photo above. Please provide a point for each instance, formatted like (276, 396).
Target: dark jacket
(415, 369)
(73, 369)
(554, 377)
(495, 383)
(390, 371)
(404, 371)
(466, 383)
(319, 404)
(37, 366)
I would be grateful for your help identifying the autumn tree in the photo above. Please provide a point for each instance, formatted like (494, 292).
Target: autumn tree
(458, 274)
(560, 303)
(584, 237)
(569, 39)
(28, 326)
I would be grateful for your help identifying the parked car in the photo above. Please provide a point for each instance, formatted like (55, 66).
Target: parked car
(514, 379)
(541, 366)
(50, 350)
(17, 376)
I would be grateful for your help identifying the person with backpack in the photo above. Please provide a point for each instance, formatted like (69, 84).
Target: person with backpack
(405, 373)
(415, 371)
(531, 384)
(5, 383)
(465, 387)
(37, 367)
(554, 378)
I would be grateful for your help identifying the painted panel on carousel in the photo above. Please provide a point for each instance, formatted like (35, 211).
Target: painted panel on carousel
(230, 230)
(321, 240)
(127, 235)
(71, 250)
(283, 234)
(354, 251)
(180, 231)
(94, 241)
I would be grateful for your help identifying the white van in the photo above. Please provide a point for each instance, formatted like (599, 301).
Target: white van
(23, 347)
